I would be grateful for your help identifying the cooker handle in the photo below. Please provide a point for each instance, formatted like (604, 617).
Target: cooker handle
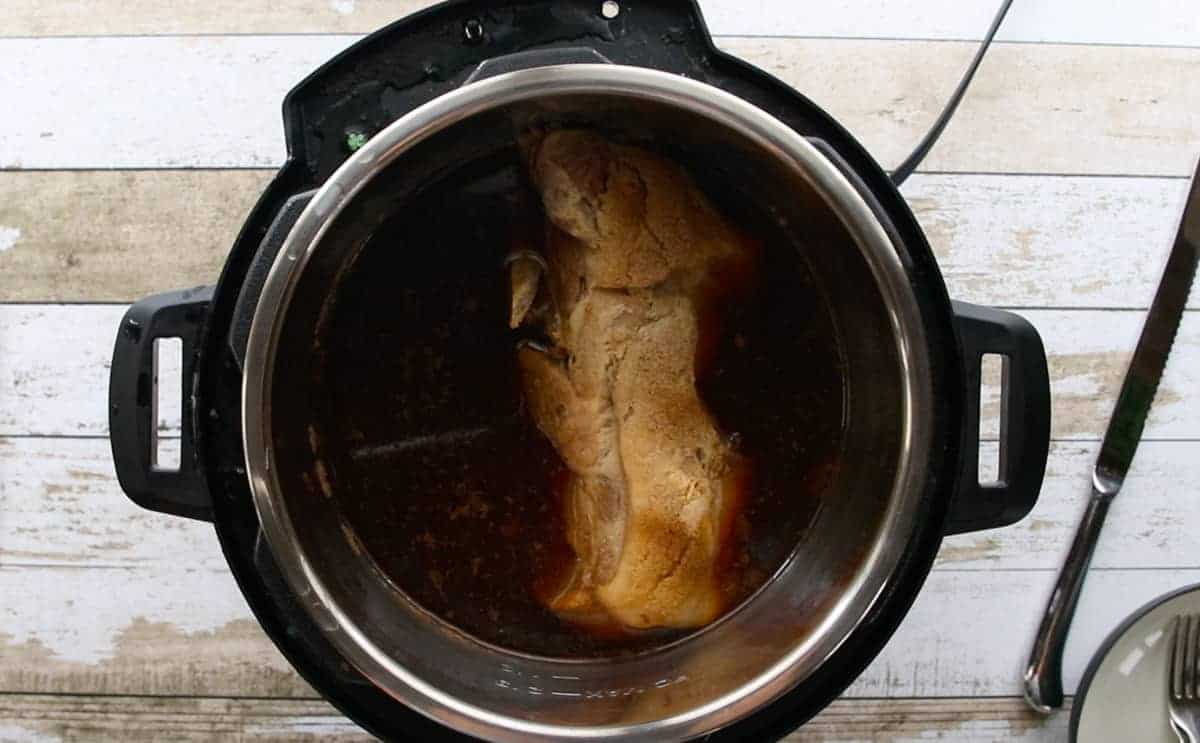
(530, 58)
(1024, 404)
(1024, 419)
(256, 274)
(132, 408)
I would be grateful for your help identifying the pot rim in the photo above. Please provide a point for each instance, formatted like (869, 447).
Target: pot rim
(876, 570)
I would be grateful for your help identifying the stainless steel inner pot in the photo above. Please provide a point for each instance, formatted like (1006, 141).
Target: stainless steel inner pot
(778, 637)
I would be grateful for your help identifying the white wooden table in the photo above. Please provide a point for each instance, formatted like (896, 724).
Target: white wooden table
(135, 135)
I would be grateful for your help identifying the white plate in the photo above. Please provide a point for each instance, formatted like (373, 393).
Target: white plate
(1123, 695)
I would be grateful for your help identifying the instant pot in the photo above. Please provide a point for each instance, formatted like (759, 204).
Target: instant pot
(441, 94)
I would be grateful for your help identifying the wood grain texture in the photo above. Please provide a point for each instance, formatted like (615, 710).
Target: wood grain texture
(170, 628)
(86, 235)
(968, 632)
(1049, 241)
(1088, 352)
(1033, 107)
(54, 362)
(1150, 525)
(163, 615)
(1015, 241)
(923, 720)
(32, 718)
(174, 631)
(62, 507)
(1164, 22)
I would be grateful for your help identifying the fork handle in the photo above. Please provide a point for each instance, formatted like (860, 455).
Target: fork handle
(1043, 674)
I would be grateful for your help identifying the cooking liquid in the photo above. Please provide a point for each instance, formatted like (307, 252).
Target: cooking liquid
(447, 482)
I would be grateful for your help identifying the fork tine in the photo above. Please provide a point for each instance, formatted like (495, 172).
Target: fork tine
(1194, 666)
(1190, 639)
(1183, 677)
(1181, 637)
(1173, 652)
(1181, 658)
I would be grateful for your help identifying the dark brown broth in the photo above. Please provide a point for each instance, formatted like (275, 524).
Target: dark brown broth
(446, 481)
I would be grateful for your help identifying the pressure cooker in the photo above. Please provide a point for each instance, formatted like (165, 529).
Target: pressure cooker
(441, 94)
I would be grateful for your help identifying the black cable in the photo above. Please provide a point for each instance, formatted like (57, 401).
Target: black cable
(901, 173)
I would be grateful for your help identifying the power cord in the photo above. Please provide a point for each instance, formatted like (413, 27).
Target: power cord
(905, 169)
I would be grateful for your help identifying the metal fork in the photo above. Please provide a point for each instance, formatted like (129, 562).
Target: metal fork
(1183, 697)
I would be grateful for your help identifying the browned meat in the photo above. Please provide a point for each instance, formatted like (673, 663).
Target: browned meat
(632, 250)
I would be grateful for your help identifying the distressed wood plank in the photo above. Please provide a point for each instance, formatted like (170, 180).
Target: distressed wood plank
(60, 506)
(911, 720)
(1149, 525)
(26, 718)
(152, 102)
(156, 630)
(1088, 352)
(968, 633)
(111, 235)
(1015, 241)
(1170, 22)
(1076, 109)
(163, 631)
(1067, 113)
(33, 718)
(1047, 241)
(54, 363)
(1166, 22)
